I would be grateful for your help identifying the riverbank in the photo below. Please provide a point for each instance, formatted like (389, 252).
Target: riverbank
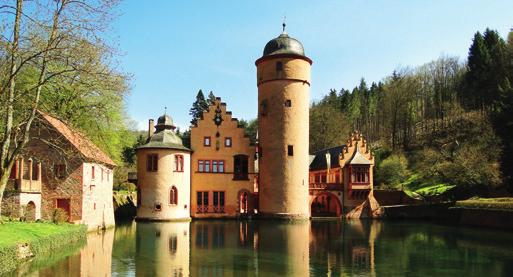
(21, 241)
(479, 212)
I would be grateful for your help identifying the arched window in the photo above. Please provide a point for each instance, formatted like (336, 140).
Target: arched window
(173, 196)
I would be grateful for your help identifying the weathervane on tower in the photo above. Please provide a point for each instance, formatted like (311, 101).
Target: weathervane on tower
(284, 24)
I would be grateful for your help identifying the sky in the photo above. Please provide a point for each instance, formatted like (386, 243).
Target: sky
(174, 48)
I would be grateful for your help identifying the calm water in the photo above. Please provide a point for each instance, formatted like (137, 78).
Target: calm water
(258, 248)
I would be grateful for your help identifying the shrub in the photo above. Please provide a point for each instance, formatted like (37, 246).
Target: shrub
(59, 216)
(124, 186)
(393, 170)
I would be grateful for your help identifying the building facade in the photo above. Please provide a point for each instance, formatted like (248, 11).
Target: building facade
(163, 174)
(283, 80)
(223, 166)
(61, 168)
(341, 178)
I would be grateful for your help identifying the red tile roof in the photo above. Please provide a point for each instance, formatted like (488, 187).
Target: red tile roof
(85, 146)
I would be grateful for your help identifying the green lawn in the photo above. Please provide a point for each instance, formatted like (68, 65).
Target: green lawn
(15, 232)
(505, 203)
(414, 185)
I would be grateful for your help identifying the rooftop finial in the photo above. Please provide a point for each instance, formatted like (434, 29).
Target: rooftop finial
(165, 110)
(283, 24)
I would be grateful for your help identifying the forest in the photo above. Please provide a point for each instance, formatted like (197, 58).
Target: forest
(443, 125)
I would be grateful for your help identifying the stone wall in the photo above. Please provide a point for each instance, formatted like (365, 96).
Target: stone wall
(11, 204)
(396, 197)
(70, 187)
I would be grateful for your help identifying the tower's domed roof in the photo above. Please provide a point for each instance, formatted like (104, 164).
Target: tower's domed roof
(284, 44)
(164, 136)
(164, 122)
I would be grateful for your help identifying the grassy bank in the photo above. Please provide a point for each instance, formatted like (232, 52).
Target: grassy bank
(505, 203)
(41, 238)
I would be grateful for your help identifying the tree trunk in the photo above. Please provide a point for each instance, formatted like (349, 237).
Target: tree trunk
(6, 161)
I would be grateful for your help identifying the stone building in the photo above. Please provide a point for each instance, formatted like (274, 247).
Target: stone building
(61, 168)
(283, 80)
(341, 178)
(223, 166)
(163, 174)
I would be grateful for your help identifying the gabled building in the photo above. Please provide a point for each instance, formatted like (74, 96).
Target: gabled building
(224, 178)
(61, 168)
(341, 177)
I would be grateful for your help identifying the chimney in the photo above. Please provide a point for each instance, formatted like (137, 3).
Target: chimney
(151, 128)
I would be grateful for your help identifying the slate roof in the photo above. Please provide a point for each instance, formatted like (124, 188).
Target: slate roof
(319, 162)
(166, 139)
(85, 146)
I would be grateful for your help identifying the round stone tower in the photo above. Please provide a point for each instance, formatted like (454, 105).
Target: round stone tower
(283, 80)
(163, 174)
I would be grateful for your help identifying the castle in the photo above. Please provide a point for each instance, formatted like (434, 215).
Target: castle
(224, 175)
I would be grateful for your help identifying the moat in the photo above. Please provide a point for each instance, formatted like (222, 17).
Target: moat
(269, 248)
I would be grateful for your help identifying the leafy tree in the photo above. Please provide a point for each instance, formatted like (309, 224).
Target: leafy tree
(198, 107)
(53, 46)
(392, 171)
(328, 127)
(129, 152)
(250, 128)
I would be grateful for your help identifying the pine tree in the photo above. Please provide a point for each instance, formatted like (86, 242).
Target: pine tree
(211, 97)
(497, 70)
(198, 107)
(478, 63)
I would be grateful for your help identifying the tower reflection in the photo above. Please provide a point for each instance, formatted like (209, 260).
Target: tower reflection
(162, 249)
(340, 248)
(223, 248)
(254, 248)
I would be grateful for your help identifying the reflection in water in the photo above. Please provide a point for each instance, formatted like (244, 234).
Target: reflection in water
(272, 248)
(94, 259)
(343, 247)
(162, 249)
